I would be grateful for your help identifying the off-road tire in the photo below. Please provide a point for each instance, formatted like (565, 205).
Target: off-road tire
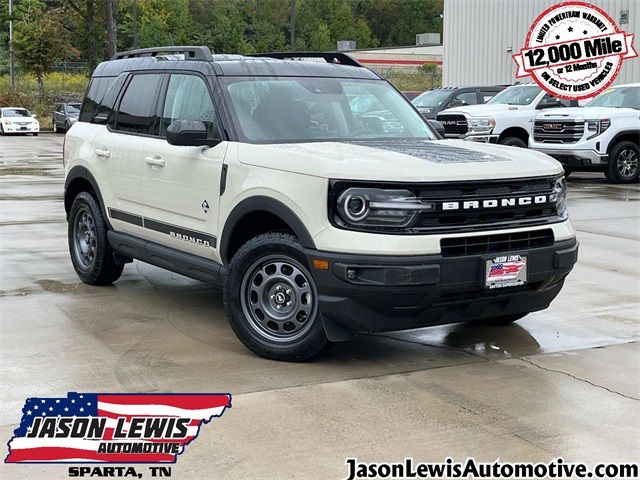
(505, 320)
(103, 270)
(253, 259)
(618, 152)
(513, 142)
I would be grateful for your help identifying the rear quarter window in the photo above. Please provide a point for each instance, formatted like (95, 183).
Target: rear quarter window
(101, 96)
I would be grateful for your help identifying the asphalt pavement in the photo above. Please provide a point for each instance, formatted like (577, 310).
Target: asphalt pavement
(562, 382)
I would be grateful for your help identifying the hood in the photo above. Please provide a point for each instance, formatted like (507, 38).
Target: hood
(411, 160)
(586, 112)
(484, 109)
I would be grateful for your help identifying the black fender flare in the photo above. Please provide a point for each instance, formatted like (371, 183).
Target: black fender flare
(82, 172)
(617, 136)
(265, 204)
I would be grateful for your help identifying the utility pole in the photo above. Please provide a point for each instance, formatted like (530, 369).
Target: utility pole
(135, 24)
(12, 72)
(293, 25)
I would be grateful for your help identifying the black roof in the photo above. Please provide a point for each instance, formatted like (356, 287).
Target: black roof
(196, 59)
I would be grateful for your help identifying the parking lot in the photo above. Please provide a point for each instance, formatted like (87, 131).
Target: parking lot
(564, 381)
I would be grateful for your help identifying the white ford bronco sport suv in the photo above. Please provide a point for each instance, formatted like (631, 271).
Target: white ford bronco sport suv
(255, 173)
(505, 119)
(603, 135)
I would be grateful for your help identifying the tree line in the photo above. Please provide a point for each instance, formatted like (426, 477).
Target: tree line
(50, 31)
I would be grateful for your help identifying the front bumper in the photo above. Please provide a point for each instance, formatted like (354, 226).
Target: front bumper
(575, 157)
(403, 292)
(21, 128)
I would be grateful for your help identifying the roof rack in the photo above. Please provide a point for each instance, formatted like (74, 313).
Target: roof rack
(190, 53)
(329, 57)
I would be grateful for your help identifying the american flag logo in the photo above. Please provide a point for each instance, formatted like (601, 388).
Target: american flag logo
(505, 270)
(112, 428)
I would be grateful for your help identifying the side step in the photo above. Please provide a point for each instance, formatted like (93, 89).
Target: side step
(185, 264)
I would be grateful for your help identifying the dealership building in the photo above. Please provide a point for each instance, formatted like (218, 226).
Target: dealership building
(480, 37)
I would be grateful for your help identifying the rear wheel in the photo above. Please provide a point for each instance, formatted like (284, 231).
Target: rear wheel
(91, 254)
(623, 163)
(271, 299)
(513, 142)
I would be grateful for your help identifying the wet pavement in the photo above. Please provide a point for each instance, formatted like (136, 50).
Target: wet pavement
(562, 382)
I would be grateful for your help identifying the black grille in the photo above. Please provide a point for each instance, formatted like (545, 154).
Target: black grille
(501, 242)
(550, 131)
(476, 218)
(454, 124)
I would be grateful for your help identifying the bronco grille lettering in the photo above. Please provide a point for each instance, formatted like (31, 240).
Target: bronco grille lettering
(495, 203)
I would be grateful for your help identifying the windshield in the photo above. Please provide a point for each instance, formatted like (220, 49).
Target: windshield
(73, 108)
(15, 112)
(517, 95)
(620, 97)
(431, 99)
(303, 109)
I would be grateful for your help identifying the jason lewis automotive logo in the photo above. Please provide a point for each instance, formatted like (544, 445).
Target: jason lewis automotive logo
(112, 428)
(574, 50)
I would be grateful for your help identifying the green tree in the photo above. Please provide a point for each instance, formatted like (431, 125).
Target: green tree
(39, 41)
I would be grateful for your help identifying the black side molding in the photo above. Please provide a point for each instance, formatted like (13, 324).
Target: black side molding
(186, 264)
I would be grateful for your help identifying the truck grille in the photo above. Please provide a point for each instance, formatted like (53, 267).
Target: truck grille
(502, 242)
(509, 216)
(454, 125)
(552, 131)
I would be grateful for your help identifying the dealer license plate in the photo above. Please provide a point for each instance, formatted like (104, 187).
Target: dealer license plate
(505, 271)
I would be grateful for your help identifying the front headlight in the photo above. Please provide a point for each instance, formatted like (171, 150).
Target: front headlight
(596, 127)
(73, 120)
(481, 125)
(559, 196)
(8, 122)
(376, 207)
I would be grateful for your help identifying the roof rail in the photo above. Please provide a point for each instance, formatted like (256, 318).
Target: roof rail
(329, 57)
(190, 52)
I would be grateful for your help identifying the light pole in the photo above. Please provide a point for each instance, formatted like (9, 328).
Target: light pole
(12, 73)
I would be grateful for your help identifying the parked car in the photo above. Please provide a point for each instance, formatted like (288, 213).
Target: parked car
(505, 119)
(319, 220)
(411, 94)
(432, 102)
(65, 115)
(603, 135)
(18, 120)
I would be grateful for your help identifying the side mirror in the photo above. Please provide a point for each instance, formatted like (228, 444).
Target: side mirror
(438, 127)
(34, 115)
(189, 133)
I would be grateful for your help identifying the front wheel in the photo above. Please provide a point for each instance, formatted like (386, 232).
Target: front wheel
(91, 254)
(55, 126)
(623, 163)
(271, 299)
(513, 142)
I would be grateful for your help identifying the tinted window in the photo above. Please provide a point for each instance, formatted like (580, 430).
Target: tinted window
(466, 98)
(95, 93)
(188, 99)
(137, 110)
(488, 94)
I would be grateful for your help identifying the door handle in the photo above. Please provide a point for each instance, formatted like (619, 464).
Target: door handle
(154, 161)
(102, 153)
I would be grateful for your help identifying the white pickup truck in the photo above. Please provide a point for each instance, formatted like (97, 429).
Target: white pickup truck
(603, 135)
(506, 118)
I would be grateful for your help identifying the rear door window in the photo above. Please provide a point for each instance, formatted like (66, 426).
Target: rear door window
(137, 110)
